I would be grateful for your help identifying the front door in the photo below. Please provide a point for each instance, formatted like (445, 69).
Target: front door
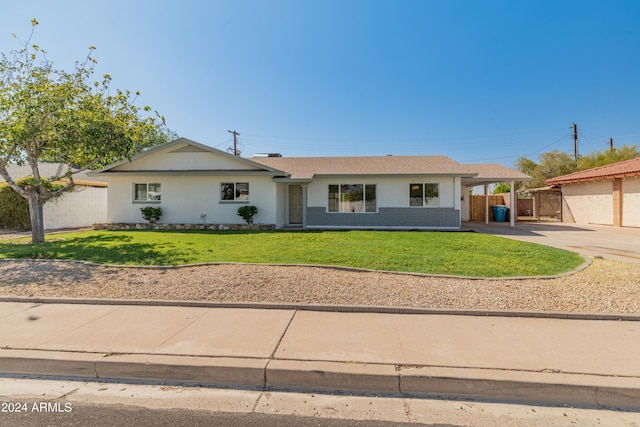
(295, 204)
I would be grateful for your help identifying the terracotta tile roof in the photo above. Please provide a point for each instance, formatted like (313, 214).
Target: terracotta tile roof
(624, 169)
(308, 167)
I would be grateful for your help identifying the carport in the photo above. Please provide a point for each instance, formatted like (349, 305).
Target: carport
(487, 174)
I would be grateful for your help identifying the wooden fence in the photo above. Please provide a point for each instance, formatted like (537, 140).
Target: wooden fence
(477, 206)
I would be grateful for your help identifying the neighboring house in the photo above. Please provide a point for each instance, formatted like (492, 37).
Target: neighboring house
(608, 195)
(196, 184)
(83, 206)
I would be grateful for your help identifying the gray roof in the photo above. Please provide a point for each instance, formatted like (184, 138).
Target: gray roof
(194, 147)
(472, 174)
(308, 167)
(305, 168)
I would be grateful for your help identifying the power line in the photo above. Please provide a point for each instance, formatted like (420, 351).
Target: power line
(225, 142)
(547, 146)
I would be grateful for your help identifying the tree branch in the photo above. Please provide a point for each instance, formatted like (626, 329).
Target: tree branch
(32, 158)
(88, 167)
(10, 154)
(10, 181)
(57, 193)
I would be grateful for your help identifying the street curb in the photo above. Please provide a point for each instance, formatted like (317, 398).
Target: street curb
(337, 308)
(524, 387)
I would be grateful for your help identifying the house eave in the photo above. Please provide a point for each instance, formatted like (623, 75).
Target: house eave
(292, 180)
(204, 172)
(593, 179)
(374, 175)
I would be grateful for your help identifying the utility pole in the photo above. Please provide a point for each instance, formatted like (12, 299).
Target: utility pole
(575, 142)
(611, 144)
(235, 143)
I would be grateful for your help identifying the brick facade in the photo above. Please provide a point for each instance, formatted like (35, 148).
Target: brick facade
(386, 218)
(617, 202)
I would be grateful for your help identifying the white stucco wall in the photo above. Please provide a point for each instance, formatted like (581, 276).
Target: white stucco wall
(390, 191)
(631, 202)
(590, 202)
(172, 158)
(82, 207)
(186, 197)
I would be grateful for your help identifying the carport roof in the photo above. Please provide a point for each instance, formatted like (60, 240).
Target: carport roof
(492, 173)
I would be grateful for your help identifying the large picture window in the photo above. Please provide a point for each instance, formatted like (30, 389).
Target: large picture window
(424, 194)
(352, 198)
(149, 192)
(234, 191)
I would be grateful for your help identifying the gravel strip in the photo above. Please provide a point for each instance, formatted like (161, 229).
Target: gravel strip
(605, 286)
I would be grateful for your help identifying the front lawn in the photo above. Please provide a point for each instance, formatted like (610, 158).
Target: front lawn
(457, 253)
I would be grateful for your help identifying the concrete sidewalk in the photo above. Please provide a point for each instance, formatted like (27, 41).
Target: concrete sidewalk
(520, 359)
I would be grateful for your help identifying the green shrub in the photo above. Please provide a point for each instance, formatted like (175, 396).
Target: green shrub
(247, 213)
(14, 210)
(151, 213)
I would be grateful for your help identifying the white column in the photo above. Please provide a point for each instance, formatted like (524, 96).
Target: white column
(513, 204)
(486, 203)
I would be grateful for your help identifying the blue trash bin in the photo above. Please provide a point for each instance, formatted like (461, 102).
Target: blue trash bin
(499, 213)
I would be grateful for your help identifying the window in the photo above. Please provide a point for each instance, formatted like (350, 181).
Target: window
(424, 195)
(146, 192)
(234, 191)
(352, 198)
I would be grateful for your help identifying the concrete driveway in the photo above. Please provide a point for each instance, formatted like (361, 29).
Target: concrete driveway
(619, 243)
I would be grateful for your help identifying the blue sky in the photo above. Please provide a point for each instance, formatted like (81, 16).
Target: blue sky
(478, 80)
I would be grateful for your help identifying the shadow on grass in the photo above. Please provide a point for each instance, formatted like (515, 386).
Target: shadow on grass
(103, 249)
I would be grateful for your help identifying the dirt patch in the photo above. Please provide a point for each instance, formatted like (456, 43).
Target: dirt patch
(604, 287)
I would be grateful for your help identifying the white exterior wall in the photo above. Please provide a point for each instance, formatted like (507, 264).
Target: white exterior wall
(170, 159)
(391, 192)
(82, 207)
(184, 198)
(590, 202)
(631, 202)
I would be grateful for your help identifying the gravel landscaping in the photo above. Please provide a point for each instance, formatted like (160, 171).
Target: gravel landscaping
(605, 286)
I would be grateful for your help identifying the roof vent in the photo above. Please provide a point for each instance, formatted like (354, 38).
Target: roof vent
(267, 155)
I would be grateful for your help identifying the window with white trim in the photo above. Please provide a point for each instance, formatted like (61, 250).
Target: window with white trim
(148, 192)
(424, 194)
(234, 191)
(352, 198)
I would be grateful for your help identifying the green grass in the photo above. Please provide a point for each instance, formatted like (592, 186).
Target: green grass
(467, 254)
